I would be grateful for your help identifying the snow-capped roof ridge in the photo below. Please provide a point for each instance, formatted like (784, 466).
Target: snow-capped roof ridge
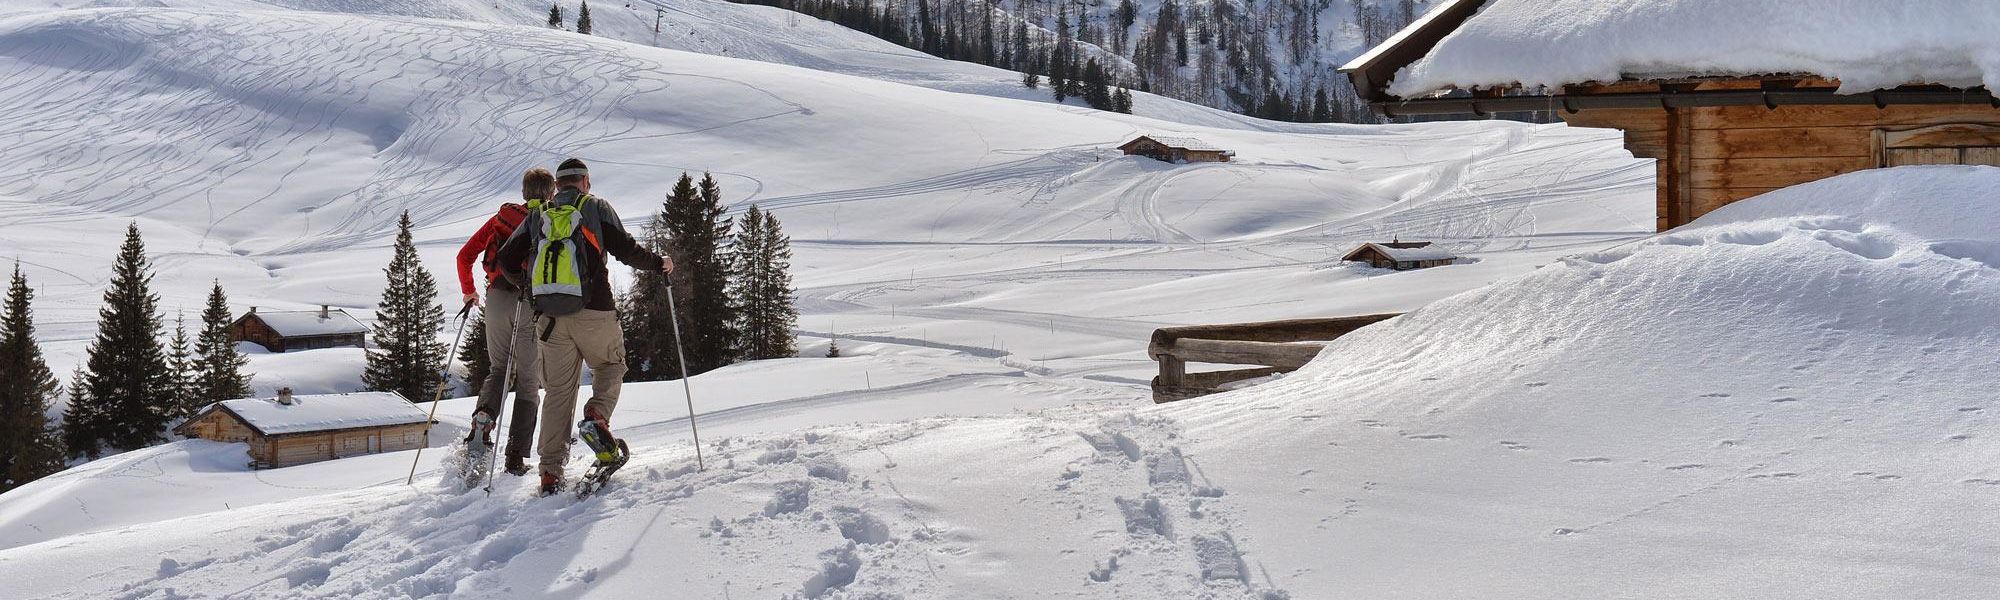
(1864, 44)
(324, 412)
(307, 323)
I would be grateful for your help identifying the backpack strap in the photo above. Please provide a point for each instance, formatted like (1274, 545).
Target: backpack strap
(585, 227)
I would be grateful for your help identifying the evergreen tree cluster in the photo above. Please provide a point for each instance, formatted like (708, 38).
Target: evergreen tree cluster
(731, 288)
(1266, 59)
(132, 387)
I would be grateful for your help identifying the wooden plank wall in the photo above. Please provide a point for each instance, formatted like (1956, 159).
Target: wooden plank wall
(1712, 156)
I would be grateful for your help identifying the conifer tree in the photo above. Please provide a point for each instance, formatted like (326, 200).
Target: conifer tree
(127, 395)
(221, 375)
(29, 448)
(407, 323)
(181, 369)
(555, 16)
(472, 354)
(84, 423)
(1059, 57)
(764, 287)
(833, 348)
(649, 351)
(1122, 101)
(1096, 92)
(583, 18)
(708, 315)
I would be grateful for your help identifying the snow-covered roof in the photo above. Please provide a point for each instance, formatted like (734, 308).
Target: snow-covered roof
(1429, 252)
(308, 323)
(325, 412)
(1182, 142)
(1865, 44)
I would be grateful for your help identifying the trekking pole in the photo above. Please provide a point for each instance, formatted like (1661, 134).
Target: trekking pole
(500, 421)
(673, 314)
(444, 378)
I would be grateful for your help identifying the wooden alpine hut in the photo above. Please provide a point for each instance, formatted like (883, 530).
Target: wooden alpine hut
(1175, 149)
(1400, 255)
(299, 330)
(289, 430)
(1733, 99)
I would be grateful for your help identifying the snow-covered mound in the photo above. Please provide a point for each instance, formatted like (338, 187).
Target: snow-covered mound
(1782, 399)
(1866, 44)
(1786, 398)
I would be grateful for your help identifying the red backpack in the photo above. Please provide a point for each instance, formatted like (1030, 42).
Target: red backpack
(510, 217)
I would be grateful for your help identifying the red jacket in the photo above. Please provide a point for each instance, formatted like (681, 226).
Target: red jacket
(487, 241)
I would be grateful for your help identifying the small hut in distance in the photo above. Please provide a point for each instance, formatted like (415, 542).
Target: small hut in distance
(1401, 255)
(285, 331)
(1175, 149)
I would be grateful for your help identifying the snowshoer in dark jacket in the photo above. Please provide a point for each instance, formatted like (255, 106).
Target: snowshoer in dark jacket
(510, 324)
(559, 254)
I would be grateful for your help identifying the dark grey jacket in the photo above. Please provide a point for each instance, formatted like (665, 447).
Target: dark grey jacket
(602, 222)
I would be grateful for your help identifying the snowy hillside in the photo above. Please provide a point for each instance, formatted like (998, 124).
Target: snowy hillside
(1703, 414)
(286, 187)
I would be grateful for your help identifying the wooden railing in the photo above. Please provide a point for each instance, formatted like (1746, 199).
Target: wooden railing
(1276, 346)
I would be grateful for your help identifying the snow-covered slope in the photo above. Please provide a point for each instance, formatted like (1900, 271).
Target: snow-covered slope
(273, 150)
(1779, 400)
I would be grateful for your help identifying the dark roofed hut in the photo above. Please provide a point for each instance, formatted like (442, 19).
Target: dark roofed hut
(1720, 134)
(1175, 149)
(299, 330)
(1401, 256)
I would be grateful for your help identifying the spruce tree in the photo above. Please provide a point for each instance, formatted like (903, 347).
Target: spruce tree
(555, 16)
(407, 323)
(29, 448)
(764, 287)
(833, 348)
(645, 316)
(181, 369)
(583, 18)
(1122, 101)
(1059, 57)
(127, 396)
(221, 375)
(472, 354)
(708, 315)
(1030, 80)
(1096, 92)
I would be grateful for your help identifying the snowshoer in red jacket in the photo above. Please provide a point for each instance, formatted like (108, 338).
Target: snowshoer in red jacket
(510, 325)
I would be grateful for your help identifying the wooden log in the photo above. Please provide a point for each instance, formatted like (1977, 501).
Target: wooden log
(1293, 330)
(1841, 115)
(1982, 156)
(1172, 369)
(1770, 172)
(1781, 142)
(1950, 135)
(1235, 352)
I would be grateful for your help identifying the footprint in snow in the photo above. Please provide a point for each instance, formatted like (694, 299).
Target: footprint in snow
(1516, 446)
(1590, 460)
(1687, 467)
(1428, 436)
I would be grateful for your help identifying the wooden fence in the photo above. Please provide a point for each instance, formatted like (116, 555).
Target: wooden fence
(1277, 346)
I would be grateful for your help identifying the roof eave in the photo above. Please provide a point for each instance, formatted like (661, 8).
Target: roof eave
(1370, 73)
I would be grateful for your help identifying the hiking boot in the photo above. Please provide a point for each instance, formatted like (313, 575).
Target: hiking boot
(551, 484)
(603, 421)
(482, 426)
(517, 466)
(595, 430)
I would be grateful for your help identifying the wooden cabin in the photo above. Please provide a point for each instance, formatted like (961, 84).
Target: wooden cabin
(1401, 255)
(1718, 136)
(299, 330)
(289, 430)
(1175, 149)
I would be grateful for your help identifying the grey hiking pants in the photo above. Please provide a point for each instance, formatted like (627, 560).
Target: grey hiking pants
(510, 339)
(567, 342)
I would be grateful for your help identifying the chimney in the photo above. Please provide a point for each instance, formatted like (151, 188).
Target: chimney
(285, 396)
(253, 310)
(322, 311)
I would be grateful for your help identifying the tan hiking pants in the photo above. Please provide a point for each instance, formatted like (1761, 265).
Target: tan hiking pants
(589, 336)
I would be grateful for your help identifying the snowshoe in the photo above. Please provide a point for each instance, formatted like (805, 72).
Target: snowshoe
(478, 445)
(610, 452)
